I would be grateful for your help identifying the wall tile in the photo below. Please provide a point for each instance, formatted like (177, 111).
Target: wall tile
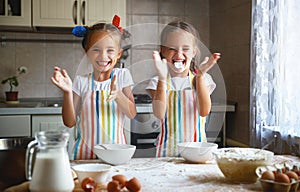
(171, 7)
(144, 7)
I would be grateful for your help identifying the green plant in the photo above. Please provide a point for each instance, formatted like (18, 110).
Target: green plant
(13, 80)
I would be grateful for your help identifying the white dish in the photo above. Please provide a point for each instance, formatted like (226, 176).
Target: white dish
(97, 171)
(114, 154)
(197, 152)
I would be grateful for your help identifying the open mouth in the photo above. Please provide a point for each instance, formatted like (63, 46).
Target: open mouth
(179, 64)
(103, 63)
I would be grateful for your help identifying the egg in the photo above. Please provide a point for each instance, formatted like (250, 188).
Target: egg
(282, 178)
(121, 179)
(88, 184)
(268, 175)
(133, 185)
(113, 186)
(292, 175)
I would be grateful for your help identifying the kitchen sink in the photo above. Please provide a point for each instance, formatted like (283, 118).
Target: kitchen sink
(23, 104)
(33, 103)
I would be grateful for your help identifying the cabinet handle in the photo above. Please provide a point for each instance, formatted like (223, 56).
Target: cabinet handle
(75, 12)
(82, 13)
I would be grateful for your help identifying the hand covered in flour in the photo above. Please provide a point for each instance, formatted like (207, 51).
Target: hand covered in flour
(113, 89)
(61, 79)
(208, 63)
(160, 66)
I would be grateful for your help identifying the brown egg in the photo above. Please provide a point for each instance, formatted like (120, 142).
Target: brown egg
(296, 170)
(133, 185)
(292, 175)
(113, 186)
(121, 179)
(268, 175)
(88, 184)
(282, 178)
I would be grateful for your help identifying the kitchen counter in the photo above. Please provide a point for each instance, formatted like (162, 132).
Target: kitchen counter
(174, 174)
(32, 106)
(51, 106)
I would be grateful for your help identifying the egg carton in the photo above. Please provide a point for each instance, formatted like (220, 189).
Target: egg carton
(270, 185)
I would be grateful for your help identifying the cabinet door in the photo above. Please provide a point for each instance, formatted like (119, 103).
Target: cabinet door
(15, 13)
(95, 11)
(15, 126)
(68, 13)
(46, 122)
(55, 13)
(52, 122)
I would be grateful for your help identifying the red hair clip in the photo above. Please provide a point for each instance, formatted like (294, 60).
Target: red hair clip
(116, 22)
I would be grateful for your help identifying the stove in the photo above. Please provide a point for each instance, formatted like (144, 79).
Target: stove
(145, 127)
(142, 99)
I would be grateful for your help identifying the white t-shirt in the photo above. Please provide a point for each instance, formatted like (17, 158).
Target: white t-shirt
(182, 83)
(81, 86)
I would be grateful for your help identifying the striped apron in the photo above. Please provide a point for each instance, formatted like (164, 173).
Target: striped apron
(182, 122)
(100, 121)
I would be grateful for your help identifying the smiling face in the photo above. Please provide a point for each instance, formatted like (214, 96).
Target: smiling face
(178, 49)
(104, 52)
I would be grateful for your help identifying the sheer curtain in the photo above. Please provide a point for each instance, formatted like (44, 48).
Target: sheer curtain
(275, 75)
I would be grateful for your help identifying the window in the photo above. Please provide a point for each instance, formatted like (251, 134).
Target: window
(275, 75)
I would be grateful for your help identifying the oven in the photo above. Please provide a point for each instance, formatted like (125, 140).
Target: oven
(145, 127)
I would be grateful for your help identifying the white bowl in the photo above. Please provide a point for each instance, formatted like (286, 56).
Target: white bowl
(239, 164)
(197, 152)
(97, 171)
(114, 154)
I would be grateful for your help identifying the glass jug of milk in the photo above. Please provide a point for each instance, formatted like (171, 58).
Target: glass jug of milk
(47, 163)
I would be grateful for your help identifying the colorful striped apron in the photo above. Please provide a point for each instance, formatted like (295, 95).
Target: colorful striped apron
(100, 121)
(182, 122)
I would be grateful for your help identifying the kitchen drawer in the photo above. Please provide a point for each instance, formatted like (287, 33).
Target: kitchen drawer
(15, 125)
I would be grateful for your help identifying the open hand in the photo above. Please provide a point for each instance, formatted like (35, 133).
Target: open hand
(61, 79)
(160, 65)
(208, 63)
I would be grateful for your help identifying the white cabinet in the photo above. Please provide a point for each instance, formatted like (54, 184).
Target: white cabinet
(67, 13)
(15, 13)
(52, 122)
(15, 126)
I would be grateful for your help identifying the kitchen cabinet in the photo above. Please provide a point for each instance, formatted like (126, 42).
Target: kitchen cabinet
(15, 13)
(52, 122)
(46, 122)
(67, 13)
(15, 126)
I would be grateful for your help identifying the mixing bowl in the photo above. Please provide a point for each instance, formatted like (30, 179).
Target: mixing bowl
(239, 164)
(114, 154)
(197, 152)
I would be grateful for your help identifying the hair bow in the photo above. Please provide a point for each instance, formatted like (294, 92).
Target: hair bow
(116, 22)
(79, 31)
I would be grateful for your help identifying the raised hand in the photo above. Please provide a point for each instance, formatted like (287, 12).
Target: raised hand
(160, 66)
(113, 89)
(61, 79)
(208, 63)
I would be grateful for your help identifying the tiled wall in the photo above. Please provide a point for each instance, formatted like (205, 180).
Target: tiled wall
(41, 57)
(230, 29)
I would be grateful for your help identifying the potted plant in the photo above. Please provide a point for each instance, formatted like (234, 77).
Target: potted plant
(11, 95)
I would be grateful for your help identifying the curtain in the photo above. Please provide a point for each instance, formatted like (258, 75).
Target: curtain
(275, 75)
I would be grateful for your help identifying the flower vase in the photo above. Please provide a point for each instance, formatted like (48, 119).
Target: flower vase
(11, 97)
